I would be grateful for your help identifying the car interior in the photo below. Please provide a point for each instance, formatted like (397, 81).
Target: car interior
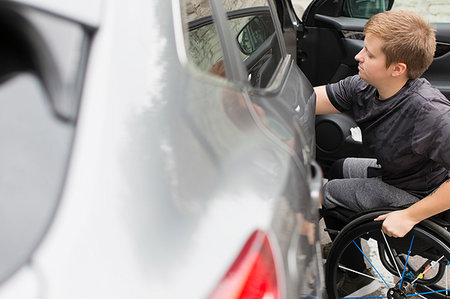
(327, 42)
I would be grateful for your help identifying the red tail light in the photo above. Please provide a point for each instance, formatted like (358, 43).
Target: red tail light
(253, 274)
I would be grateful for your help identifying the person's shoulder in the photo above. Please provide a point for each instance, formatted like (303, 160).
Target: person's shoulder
(426, 94)
(423, 87)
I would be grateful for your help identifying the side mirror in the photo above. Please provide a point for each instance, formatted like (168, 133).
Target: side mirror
(254, 34)
(365, 8)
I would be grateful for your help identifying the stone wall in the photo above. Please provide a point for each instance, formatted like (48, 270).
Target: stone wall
(434, 11)
(200, 8)
(204, 47)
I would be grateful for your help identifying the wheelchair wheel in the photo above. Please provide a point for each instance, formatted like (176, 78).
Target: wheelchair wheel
(425, 251)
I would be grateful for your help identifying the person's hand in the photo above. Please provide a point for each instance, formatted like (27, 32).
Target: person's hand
(218, 68)
(396, 224)
(308, 229)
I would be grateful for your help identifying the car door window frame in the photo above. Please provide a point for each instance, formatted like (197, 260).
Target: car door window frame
(233, 63)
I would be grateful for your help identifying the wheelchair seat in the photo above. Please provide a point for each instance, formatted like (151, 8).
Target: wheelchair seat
(416, 265)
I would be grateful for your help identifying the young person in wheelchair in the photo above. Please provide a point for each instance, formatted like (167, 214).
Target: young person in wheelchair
(405, 123)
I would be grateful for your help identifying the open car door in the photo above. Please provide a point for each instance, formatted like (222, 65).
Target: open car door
(328, 38)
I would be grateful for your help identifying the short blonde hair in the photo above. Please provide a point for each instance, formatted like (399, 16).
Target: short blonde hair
(407, 37)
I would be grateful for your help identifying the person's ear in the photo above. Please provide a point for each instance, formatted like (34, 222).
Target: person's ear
(399, 69)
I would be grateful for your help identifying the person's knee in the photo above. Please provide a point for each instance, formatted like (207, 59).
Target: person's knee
(327, 201)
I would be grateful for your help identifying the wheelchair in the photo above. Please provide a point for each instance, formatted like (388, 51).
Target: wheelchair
(415, 266)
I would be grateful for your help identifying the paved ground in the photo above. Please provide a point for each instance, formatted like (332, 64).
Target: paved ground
(324, 238)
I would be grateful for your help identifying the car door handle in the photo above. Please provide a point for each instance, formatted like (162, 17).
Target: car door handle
(316, 182)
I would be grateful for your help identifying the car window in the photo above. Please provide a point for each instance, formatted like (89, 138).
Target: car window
(364, 9)
(433, 10)
(203, 45)
(253, 28)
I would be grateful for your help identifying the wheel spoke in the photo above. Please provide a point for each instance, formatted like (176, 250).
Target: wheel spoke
(364, 297)
(370, 263)
(430, 292)
(390, 251)
(360, 273)
(406, 263)
(446, 278)
(309, 296)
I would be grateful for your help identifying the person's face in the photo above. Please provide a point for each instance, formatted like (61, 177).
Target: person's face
(372, 62)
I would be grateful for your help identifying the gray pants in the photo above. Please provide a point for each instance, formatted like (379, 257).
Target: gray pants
(358, 193)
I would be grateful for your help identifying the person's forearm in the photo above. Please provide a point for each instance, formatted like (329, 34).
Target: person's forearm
(435, 203)
(399, 223)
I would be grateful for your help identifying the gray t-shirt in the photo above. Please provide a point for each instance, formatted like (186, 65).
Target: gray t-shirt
(408, 133)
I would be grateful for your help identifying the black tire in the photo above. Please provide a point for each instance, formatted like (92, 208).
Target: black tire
(428, 241)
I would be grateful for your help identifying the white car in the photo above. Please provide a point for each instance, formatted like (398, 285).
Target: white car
(166, 148)
(129, 170)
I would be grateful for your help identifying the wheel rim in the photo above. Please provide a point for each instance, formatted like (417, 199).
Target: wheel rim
(419, 250)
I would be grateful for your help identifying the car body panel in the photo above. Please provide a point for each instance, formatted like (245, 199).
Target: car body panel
(75, 10)
(172, 170)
